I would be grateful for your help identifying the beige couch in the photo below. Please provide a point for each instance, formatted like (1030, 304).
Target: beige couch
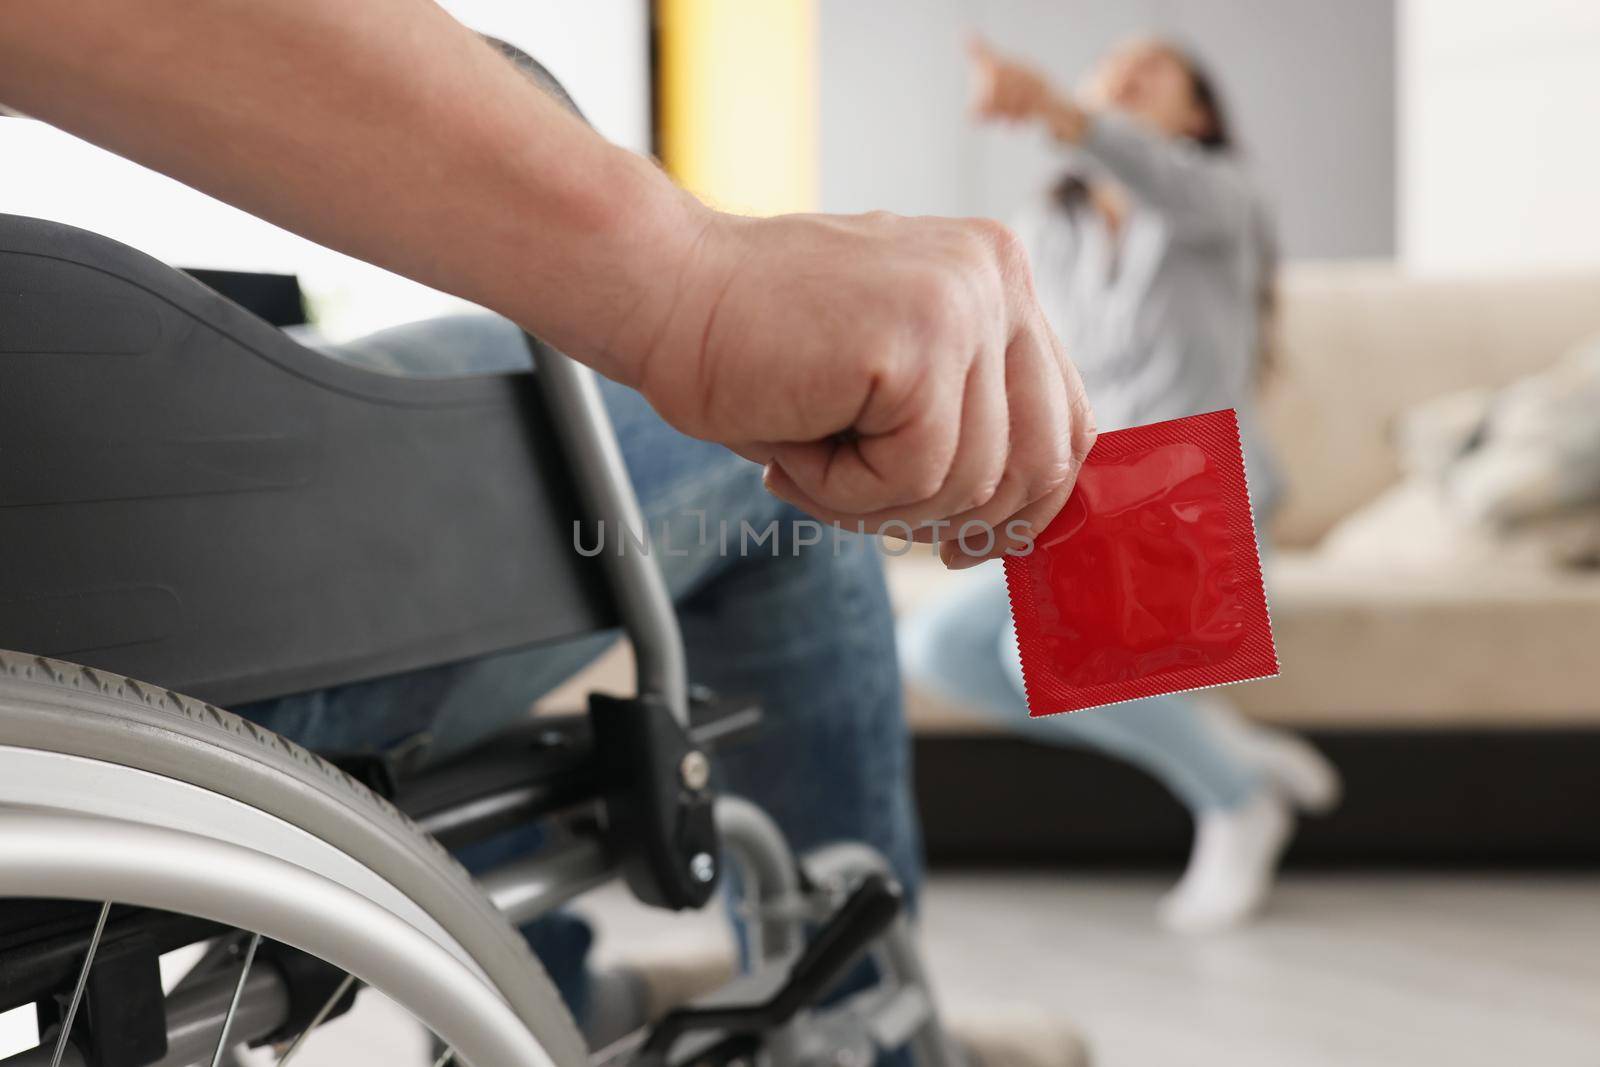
(1374, 645)
(1365, 644)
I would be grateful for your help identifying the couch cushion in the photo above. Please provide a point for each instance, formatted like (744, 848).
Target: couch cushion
(1362, 342)
(1370, 646)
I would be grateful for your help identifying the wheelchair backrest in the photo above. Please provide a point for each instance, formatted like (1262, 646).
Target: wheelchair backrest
(189, 497)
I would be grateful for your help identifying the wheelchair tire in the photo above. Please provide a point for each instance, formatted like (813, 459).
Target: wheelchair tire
(59, 707)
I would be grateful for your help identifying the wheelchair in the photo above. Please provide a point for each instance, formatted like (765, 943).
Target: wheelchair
(198, 512)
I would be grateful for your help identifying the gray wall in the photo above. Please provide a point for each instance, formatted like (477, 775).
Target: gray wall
(1310, 84)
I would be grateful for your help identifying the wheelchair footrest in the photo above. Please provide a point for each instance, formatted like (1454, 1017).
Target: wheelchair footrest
(835, 948)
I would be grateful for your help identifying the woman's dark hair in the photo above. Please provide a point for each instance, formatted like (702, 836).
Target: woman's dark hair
(1219, 135)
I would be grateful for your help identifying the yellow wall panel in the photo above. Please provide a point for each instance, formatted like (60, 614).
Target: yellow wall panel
(738, 99)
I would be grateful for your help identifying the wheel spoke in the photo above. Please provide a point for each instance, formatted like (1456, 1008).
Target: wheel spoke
(446, 1058)
(77, 992)
(316, 1020)
(233, 1005)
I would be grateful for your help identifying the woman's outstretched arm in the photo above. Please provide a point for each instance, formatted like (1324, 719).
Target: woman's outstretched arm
(1201, 196)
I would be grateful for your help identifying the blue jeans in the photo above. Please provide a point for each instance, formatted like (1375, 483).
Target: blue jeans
(807, 630)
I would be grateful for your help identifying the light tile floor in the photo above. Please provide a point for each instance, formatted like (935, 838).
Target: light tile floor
(1369, 970)
(1377, 970)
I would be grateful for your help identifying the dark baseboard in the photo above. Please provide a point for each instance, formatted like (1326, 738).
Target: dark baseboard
(1465, 798)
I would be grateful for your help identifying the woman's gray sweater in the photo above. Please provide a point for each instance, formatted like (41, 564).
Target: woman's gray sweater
(1162, 318)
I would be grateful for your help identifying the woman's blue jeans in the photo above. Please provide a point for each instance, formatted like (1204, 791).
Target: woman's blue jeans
(961, 648)
(804, 628)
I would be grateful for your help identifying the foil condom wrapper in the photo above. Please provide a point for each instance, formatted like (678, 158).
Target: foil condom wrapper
(1149, 580)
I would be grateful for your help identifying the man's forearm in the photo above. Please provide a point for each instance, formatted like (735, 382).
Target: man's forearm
(384, 129)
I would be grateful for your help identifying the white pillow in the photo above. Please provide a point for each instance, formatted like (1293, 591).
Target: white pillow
(1539, 453)
(1505, 478)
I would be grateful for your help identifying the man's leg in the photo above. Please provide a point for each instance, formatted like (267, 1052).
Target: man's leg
(809, 633)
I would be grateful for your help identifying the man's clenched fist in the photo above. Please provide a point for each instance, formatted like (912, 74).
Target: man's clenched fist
(886, 370)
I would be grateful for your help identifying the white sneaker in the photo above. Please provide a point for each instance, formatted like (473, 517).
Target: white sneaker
(1232, 865)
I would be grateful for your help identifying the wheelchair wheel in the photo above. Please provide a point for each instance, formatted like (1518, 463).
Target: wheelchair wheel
(116, 791)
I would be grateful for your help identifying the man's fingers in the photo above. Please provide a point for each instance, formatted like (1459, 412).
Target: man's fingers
(1084, 427)
(843, 476)
(893, 478)
(1016, 534)
(1050, 430)
(1031, 521)
(757, 452)
(1041, 464)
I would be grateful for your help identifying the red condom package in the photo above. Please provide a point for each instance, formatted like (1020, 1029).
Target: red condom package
(1149, 580)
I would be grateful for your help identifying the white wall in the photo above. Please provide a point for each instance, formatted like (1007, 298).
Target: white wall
(599, 49)
(1500, 128)
(1311, 84)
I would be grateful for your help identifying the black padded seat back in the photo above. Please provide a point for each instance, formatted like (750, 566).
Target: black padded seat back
(189, 497)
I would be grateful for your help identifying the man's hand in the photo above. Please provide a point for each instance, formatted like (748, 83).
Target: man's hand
(886, 370)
